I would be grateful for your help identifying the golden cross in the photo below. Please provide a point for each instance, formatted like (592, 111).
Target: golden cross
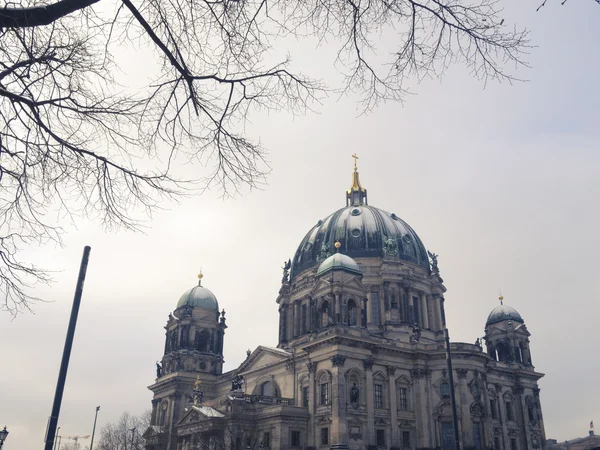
(355, 158)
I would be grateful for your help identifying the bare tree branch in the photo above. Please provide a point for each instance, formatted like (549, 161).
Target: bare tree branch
(40, 15)
(74, 143)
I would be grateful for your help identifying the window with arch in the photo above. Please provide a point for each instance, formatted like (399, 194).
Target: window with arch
(303, 385)
(323, 384)
(493, 404)
(352, 313)
(445, 390)
(509, 407)
(502, 352)
(403, 393)
(201, 340)
(268, 389)
(379, 391)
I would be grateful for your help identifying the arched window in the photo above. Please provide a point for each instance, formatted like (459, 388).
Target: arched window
(268, 389)
(324, 314)
(202, 341)
(351, 313)
(445, 390)
(323, 391)
(502, 352)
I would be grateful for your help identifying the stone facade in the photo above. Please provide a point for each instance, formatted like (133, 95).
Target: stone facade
(361, 360)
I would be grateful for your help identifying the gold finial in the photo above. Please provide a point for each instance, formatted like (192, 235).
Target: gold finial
(355, 158)
(337, 245)
(197, 383)
(501, 298)
(200, 276)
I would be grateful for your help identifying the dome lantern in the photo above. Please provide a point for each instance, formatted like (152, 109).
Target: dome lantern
(356, 195)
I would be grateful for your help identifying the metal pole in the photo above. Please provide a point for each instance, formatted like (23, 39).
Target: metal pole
(94, 429)
(64, 364)
(452, 396)
(55, 438)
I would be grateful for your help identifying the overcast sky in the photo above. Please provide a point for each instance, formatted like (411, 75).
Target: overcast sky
(502, 182)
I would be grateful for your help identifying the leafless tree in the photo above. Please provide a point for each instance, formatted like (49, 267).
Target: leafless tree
(124, 434)
(75, 143)
(562, 2)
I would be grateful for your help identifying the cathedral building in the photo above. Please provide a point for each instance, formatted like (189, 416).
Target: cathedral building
(360, 362)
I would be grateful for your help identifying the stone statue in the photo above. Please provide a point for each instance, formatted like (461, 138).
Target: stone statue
(158, 370)
(236, 382)
(478, 342)
(354, 394)
(389, 247)
(286, 271)
(434, 262)
(324, 252)
(416, 334)
(248, 353)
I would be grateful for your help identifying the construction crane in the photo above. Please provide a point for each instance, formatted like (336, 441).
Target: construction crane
(76, 438)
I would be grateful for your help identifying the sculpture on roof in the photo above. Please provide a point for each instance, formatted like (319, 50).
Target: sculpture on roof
(236, 382)
(434, 262)
(390, 246)
(324, 252)
(286, 271)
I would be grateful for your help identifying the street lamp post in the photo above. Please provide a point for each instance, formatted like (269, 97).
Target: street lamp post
(452, 396)
(94, 429)
(3, 436)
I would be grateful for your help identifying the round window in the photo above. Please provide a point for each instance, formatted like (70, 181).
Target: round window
(355, 233)
(355, 212)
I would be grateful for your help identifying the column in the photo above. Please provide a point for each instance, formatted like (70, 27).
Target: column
(337, 314)
(365, 303)
(154, 409)
(526, 354)
(312, 402)
(387, 303)
(339, 430)
(296, 329)
(488, 422)
(522, 417)
(369, 312)
(425, 314)
(467, 424)
(402, 304)
(536, 395)
(393, 396)
(411, 308)
(370, 435)
(419, 380)
(502, 417)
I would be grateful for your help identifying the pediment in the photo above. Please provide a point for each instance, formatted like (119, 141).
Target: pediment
(195, 414)
(351, 285)
(261, 357)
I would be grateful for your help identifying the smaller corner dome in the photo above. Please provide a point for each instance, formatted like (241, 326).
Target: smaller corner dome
(199, 297)
(339, 261)
(503, 312)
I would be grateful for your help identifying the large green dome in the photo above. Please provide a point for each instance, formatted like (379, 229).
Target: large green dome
(363, 231)
(503, 312)
(199, 297)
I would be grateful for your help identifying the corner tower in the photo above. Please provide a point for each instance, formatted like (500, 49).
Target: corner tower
(193, 354)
